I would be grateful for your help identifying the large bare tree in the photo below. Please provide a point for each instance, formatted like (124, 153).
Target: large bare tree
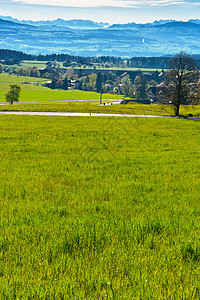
(179, 81)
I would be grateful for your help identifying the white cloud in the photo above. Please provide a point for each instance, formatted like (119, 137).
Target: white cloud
(101, 3)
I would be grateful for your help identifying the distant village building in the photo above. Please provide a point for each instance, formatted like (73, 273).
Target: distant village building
(109, 87)
(47, 69)
(74, 84)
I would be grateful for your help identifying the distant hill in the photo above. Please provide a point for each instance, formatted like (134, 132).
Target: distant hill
(6, 23)
(124, 26)
(196, 21)
(74, 24)
(181, 25)
(89, 38)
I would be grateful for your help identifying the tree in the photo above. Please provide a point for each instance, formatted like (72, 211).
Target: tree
(22, 71)
(13, 94)
(55, 74)
(195, 94)
(55, 63)
(126, 82)
(65, 84)
(88, 83)
(99, 83)
(178, 82)
(141, 87)
(53, 84)
(36, 72)
(59, 84)
(80, 73)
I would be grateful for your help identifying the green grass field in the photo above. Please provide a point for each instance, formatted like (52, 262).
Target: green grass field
(89, 107)
(94, 107)
(99, 208)
(121, 69)
(29, 64)
(6, 79)
(39, 93)
(42, 64)
(27, 89)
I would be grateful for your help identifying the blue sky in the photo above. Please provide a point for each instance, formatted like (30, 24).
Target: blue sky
(112, 11)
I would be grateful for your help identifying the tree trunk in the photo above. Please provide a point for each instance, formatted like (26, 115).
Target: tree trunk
(177, 107)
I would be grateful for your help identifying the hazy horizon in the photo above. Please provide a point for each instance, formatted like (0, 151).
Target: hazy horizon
(87, 19)
(110, 11)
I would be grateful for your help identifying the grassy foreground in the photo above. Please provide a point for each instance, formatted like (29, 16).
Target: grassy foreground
(99, 208)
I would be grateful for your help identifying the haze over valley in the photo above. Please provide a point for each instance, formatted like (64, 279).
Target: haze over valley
(89, 38)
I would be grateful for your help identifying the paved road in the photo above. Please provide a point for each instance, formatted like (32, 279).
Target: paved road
(74, 114)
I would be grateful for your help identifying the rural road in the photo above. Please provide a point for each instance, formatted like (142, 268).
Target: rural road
(74, 114)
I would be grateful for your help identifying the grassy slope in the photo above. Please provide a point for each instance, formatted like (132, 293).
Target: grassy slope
(96, 208)
(39, 93)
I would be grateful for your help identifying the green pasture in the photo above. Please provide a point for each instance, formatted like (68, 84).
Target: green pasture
(42, 64)
(94, 107)
(9, 79)
(38, 93)
(88, 107)
(33, 63)
(99, 208)
(120, 69)
(28, 64)
(32, 92)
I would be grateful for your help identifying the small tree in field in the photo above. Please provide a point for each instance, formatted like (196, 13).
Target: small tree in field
(178, 82)
(13, 94)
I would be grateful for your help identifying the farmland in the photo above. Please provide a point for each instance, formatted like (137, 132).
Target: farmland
(96, 208)
(43, 64)
(37, 93)
(88, 107)
(31, 92)
(94, 107)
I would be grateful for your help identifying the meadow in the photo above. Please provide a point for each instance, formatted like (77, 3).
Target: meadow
(31, 92)
(42, 64)
(95, 107)
(121, 69)
(99, 208)
(88, 107)
(28, 64)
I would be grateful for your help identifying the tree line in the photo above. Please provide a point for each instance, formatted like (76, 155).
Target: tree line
(107, 61)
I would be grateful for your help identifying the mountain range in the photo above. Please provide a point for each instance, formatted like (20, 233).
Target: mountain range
(89, 38)
(73, 24)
